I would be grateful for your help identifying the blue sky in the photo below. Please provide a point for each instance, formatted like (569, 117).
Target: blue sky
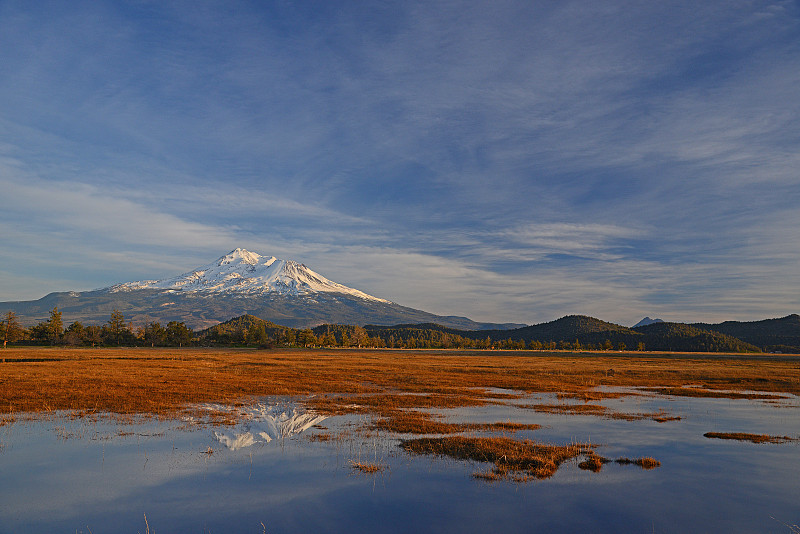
(504, 160)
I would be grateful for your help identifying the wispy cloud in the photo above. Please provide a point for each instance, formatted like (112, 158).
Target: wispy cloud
(87, 211)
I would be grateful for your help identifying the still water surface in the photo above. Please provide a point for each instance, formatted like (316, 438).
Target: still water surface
(269, 474)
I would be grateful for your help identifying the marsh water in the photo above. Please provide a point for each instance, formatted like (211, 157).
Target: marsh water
(282, 469)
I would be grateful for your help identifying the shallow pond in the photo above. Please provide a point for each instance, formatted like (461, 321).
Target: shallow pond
(285, 470)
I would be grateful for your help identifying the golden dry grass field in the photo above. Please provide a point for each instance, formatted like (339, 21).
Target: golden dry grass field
(164, 381)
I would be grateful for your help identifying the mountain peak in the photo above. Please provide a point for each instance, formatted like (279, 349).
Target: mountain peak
(241, 255)
(249, 273)
(646, 321)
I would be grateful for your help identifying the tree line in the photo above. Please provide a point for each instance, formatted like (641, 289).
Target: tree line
(251, 331)
(115, 332)
(248, 330)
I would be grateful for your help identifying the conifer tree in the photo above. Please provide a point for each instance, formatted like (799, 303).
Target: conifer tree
(257, 334)
(10, 328)
(75, 334)
(116, 330)
(179, 334)
(55, 327)
(94, 334)
(154, 334)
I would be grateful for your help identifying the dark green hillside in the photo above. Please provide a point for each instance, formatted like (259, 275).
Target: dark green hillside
(571, 327)
(426, 335)
(685, 338)
(566, 330)
(251, 330)
(571, 332)
(420, 326)
(782, 334)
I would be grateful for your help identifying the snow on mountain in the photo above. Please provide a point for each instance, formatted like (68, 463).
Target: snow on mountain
(245, 272)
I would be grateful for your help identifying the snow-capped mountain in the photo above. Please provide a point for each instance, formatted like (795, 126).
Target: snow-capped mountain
(241, 282)
(247, 273)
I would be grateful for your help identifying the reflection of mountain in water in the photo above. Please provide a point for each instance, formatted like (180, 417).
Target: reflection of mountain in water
(264, 422)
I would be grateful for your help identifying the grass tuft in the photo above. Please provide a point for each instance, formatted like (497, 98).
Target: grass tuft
(644, 463)
(512, 459)
(7, 420)
(753, 438)
(595, 463)
(367, 468)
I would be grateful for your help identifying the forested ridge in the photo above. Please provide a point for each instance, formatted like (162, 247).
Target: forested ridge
(573, 332)
(773, 335)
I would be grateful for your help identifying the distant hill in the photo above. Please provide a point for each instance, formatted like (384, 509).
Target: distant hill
(245, 329)
(571, 328)
(588, 332)
(646, 321)
(682, 337)
(782, 334)
(586, 329)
